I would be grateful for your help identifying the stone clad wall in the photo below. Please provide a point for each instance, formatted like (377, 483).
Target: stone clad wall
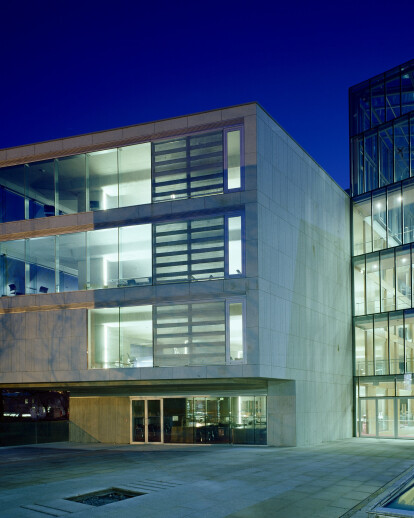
(304, 285)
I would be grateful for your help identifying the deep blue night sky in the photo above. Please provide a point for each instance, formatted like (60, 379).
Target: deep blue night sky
(69, 68)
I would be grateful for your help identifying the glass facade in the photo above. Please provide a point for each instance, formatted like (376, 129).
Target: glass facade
(202, 333)
(196, 165)
(385, 407)
(382, 98)
(384, 343)
(383, 155)
(200, 419)
(384, 218)
(183, 251)
(382, 138)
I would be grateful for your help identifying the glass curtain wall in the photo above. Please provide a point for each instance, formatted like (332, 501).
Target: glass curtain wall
(364, 346)
(383, 285)
(382, 98)
(391, 221)
(383, 155)
(386, 407)
(362, 225)
(384, 343)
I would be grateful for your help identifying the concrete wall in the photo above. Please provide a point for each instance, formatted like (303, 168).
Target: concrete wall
(304, 284)
(100, 419)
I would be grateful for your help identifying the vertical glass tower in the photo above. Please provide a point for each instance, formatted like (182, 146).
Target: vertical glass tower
(381, 120)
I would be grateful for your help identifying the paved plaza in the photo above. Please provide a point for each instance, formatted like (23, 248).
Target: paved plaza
(331, 480)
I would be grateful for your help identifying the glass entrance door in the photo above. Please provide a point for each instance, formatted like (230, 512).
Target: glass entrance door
(147, 420)
(153, 420)
(377, 417)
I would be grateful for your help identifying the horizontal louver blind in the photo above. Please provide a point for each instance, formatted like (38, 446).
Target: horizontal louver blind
(190, 334)
(189, 250)
(187, 167)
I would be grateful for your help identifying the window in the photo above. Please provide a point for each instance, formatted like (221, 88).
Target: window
(102, 258)
(40, 261)
(195, 250)
(381, 344)
(187, 166)
(12, 193)
(40, 189)
(199, 333)
(235, 332)
(71, 189)
(362, 225)
(190, 334)
(13, 267)
(72, 265)
(195, 165)
(134, 174)
(364, 346)
(233, 159)
(135, 255)
(359, 285)
(379, 220)
(184, 251)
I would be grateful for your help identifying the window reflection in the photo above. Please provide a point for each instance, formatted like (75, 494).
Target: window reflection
(205, 419)
(13, 267)
(40, 187)
(72, 266)
(71, 184)
(12, 193)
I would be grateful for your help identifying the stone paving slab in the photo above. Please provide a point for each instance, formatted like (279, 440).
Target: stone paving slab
(326, 481)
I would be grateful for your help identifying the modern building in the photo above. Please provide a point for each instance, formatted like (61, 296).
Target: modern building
(186, 280)
(382, 171)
